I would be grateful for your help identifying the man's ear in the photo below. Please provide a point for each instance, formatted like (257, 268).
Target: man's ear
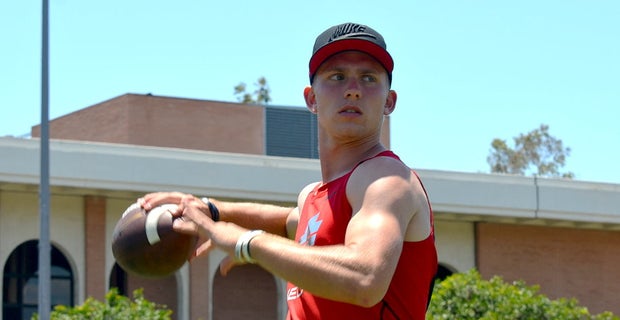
(390, 103)
(310, 98)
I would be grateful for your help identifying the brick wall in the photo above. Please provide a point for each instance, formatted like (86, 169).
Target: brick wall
(565, 262)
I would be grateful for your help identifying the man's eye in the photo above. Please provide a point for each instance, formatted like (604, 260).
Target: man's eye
(369, 78)
(337, 76)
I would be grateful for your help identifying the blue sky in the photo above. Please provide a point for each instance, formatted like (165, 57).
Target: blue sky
(466, 72)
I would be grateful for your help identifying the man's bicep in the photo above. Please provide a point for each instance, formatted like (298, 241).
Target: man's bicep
(382, 202)
(291, 223)
(377, 243)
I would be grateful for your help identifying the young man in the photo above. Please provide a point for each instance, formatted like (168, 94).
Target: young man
(360, 243)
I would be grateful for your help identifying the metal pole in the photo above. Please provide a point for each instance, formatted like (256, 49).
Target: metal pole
(44, 306)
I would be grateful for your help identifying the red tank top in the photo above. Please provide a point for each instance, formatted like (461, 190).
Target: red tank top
(323, 221)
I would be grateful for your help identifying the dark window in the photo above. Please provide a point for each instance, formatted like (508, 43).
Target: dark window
(118, 279)
(443, 272)
(291, 132)
(21, 281)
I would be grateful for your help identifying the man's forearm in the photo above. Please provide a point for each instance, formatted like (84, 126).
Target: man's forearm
(267, 217)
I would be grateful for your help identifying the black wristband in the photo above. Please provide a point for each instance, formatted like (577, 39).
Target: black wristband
(215, 213)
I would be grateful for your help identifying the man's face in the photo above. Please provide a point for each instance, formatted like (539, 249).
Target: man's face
(351, 94)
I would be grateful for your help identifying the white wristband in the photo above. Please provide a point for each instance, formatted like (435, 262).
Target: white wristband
(242, 247)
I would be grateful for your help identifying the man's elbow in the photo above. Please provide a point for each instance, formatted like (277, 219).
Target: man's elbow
(369, 293)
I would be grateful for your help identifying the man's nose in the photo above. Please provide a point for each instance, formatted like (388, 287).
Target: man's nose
(353, 91)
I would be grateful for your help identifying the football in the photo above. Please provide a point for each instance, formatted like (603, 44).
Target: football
(144, 243)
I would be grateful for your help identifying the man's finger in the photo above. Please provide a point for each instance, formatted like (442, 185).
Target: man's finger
(185, 226)
(203, 248)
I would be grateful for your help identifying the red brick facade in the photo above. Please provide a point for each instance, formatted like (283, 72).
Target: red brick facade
(564, 262)
(170, 122)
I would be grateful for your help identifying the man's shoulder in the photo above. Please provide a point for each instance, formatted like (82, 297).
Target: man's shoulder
(390, 171)
(384, 164)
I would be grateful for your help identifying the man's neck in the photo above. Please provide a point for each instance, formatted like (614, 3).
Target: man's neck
(337, 160)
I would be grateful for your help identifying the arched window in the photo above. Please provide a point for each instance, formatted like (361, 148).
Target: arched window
(118, 279)
(21, 281)
(247, 292)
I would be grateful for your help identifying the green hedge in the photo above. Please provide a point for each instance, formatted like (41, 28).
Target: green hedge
(466, 296)
(462, 296)
(115, 307)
